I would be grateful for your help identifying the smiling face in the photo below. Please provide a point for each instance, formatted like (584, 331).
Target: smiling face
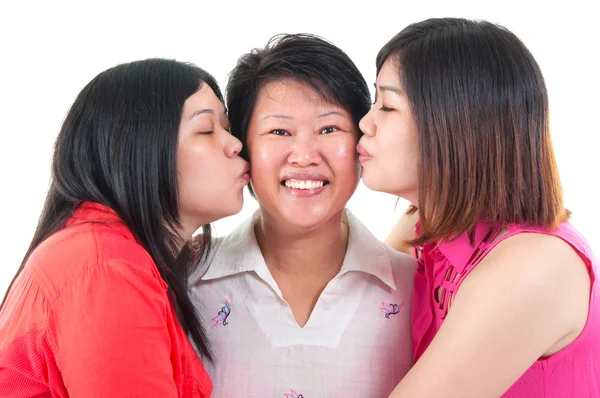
(388, 150)
(211, 175)
(302, 152)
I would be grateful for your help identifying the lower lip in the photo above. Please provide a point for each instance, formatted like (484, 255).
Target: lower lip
(245, 177)
(362, 159)
(303, 193)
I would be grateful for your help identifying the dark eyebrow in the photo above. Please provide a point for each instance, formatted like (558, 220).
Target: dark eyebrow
(205, 111)
(330, 113)
(393, 89)
(201, 112)
(277, 116)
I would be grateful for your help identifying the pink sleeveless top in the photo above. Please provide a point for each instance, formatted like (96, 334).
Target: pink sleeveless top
(572, 372)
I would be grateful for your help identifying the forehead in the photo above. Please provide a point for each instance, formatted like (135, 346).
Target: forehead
(291, 94)
(389, 73)
(204, 97)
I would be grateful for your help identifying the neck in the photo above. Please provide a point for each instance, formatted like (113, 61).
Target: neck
(185, 233)
(295, 251)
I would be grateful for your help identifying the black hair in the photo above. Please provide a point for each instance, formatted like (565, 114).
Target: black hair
(118, 147)
(303, 58)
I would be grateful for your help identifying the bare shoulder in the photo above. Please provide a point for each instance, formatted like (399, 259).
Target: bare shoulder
(545, 257)
(540, 270)
(527, 299)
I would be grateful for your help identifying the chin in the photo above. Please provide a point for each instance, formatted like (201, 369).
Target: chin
(225, 209)
(237, 203)
(307, 219)
(372, 183)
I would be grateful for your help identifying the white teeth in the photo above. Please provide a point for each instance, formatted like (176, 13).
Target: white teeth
(306, 184)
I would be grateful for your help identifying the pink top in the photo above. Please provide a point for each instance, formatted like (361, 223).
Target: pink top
(572, 372)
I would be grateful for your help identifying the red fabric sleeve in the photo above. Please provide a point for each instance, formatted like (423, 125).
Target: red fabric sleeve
(114, 335)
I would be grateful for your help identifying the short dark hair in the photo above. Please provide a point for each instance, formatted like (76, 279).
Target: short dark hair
(301, 57)
(118, 147)
(480, 106)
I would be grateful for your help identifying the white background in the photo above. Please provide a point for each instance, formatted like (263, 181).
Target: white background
(50, 50)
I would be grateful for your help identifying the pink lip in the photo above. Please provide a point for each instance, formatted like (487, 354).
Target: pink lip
(363, 155)
(362, 151)
(304, 193)
(245, 174)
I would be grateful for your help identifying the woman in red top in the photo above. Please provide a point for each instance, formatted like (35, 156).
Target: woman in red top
(99, 306)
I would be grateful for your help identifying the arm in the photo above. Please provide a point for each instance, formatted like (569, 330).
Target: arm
(528, 298)
(113, 334)
(402, 231)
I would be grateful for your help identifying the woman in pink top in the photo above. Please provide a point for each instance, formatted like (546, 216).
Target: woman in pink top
(505, 302)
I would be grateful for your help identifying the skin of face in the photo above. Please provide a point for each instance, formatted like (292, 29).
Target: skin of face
(388, 150)
(303, 155)
(211, 175)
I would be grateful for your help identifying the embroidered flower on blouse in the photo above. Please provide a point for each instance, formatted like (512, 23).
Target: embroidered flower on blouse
(293, 394)
(221, 318)
(391, 309)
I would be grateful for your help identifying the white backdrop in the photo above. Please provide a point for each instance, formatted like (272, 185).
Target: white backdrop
(51, 49)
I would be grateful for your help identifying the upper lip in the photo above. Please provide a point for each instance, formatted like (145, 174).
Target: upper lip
(304, 177)
(246, 169)
(362, 151)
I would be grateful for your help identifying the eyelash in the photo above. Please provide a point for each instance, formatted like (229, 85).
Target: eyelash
(228, 129)
(285, 133)
(279, 131)
(329, 127)
(383, 107)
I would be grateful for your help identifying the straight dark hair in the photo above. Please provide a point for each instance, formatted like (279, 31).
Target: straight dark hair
(480, 106)
(303, 58)
(118, 147)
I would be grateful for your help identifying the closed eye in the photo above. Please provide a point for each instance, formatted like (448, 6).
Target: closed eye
(206, 132)
(385, 109)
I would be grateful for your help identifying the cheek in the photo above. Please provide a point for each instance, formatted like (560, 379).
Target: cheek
(193, 165)
(265, 156)
(395, 147)
(265, 161)
(410, 152)
(343, 157)
(346, 149)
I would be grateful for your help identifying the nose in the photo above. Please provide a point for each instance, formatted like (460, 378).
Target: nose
(305, 151)
(366, 124)
(232, 146)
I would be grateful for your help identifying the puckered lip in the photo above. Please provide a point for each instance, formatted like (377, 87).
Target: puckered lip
(246, 169)
(362, 151)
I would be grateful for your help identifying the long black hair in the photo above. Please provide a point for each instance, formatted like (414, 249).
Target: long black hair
(118, 147)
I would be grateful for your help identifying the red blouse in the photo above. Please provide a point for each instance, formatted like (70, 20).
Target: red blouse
(90, 316)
